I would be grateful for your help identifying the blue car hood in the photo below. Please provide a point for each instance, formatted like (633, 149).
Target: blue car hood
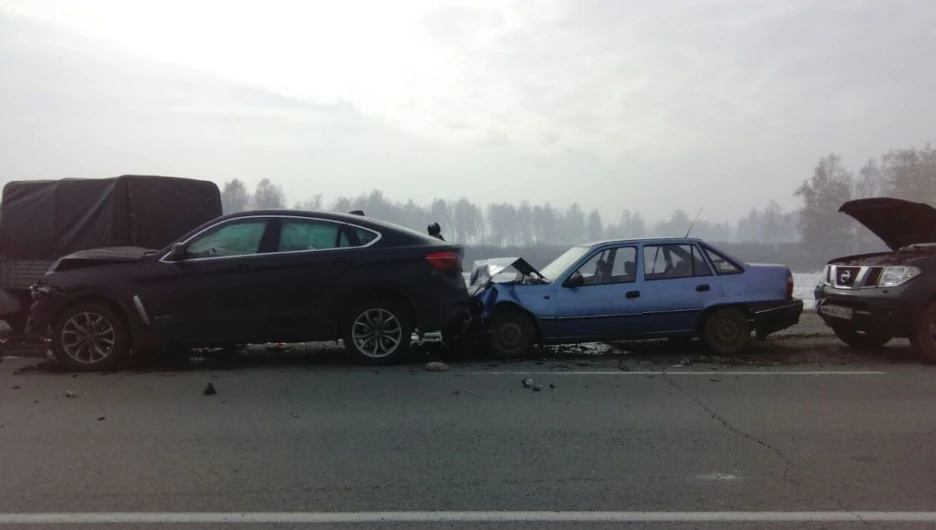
(485, 270)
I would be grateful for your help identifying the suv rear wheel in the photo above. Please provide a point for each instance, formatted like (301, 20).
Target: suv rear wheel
(861, 340)
(90, 337)
(377, 332)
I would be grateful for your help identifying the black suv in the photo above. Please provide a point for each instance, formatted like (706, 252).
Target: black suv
(255, 277)
(871, 298)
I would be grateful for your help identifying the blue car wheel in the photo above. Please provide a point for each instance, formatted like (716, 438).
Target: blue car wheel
(726, 331)
(512, 335)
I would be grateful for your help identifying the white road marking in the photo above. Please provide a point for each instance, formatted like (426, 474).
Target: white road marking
(470, 517)
(723, 372)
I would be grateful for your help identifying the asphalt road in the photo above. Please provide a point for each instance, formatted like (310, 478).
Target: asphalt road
(633, 434)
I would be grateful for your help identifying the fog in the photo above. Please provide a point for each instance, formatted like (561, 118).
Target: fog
(614, 109)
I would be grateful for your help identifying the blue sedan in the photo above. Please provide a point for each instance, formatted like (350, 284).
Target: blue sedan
(676, 288)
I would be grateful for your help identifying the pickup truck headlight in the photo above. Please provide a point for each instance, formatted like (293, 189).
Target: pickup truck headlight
(894, 276)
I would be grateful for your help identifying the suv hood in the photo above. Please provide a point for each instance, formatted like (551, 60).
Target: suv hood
(100, 256)
(897, 222)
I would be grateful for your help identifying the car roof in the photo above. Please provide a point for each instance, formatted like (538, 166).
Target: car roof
(351, 218)
(644, 240)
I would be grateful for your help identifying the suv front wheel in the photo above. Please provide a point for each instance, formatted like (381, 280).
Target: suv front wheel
(922, 338)
(90, 337)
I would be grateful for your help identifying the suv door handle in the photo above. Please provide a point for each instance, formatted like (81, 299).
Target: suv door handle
(703, 287)
(342, 261)
(632, 294)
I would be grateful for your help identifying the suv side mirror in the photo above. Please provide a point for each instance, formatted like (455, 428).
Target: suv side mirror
(576, 280)
(177, 253)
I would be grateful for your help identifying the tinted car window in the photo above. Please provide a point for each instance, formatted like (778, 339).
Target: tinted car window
(301, 234)
(364, 236)
(231, 239)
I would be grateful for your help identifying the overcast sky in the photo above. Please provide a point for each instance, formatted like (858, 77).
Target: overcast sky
(617, 104)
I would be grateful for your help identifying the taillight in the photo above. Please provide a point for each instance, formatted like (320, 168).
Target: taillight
(445, 261)
(789, 286)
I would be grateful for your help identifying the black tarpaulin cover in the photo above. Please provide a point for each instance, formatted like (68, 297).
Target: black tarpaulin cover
(47, 219)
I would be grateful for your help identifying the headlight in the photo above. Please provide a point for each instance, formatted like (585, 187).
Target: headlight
(39, 290)
(826, 275)
(894, 276)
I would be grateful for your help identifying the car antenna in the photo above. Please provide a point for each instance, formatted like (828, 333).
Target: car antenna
(693, 222)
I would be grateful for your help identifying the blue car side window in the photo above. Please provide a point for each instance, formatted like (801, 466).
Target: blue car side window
(672, 261)
(610, 266)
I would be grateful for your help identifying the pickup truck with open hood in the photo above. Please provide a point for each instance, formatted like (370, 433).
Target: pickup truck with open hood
(869, 299)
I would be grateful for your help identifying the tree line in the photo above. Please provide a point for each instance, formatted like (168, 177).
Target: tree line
(523, 225)
(908, 173)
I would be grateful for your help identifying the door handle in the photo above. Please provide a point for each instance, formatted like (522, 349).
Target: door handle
(343, 261)
(703, 287)
(242, 266)
(632, 294)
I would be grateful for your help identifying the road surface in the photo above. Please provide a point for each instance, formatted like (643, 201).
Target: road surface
(799, 433)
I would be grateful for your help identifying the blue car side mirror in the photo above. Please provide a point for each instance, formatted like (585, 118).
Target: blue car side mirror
(575, 280)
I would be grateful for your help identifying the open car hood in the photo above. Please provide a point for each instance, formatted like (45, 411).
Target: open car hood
(485, 270)
(897, 222)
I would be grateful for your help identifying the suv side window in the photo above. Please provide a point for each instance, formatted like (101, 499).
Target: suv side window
(364, 236)
(721, 263)
(673, 261)
(238, 238)
(297, 235)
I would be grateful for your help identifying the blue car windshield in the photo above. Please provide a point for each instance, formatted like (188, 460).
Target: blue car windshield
(563, 262)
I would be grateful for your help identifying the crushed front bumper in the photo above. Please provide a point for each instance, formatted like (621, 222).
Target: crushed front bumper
(776, 316)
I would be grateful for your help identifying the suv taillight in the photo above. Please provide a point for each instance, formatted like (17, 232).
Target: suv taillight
(789, 286)
(445, 261)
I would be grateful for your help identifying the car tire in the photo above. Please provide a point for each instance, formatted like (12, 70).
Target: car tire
(922, 338)
(857, 339)
(377, 332)
(90, 337)
(726, 331)
(513, 334)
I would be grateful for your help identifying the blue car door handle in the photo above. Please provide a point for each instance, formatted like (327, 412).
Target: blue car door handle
(703, 287)
(632, 294)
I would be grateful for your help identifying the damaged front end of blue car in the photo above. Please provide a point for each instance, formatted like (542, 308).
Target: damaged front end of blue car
(494, 282)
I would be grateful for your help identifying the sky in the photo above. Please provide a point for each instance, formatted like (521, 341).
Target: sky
(615, 104)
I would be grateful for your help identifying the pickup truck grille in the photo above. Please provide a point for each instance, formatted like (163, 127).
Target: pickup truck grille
(849, 277)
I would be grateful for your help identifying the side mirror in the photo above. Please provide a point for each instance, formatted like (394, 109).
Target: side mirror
(576, 280)
(177, 253)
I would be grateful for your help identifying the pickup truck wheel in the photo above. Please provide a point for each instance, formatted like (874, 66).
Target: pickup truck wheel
(857, 339)
(377, 332)
(726, 331)
(512, 335)
(923, 339)
(90, 337)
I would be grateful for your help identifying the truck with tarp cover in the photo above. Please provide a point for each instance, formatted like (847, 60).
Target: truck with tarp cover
(42, 221)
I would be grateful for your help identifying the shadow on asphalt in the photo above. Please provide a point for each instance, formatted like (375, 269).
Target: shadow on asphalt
(786, 351)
